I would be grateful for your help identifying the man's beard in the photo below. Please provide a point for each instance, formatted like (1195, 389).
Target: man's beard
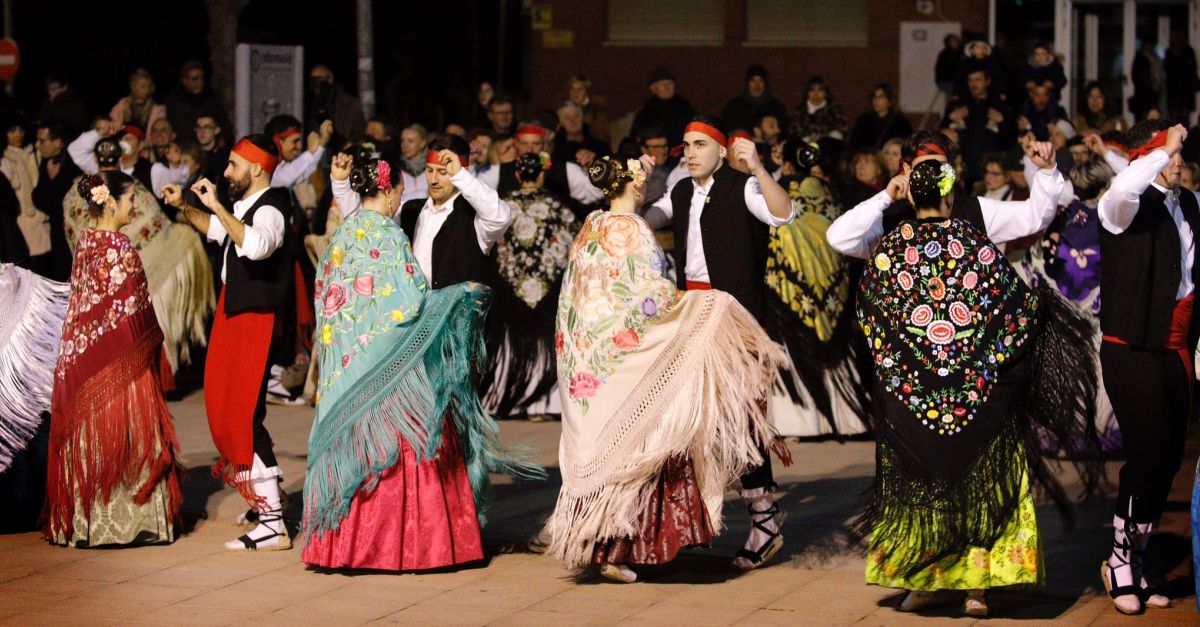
(238, 187)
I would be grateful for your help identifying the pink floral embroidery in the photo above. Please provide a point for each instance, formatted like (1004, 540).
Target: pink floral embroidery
(335, 299)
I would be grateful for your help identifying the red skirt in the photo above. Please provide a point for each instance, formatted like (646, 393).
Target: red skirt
(675, 518)
(419, 516)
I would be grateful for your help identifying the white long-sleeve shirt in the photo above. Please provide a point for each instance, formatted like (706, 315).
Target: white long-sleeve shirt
(1115, 161)
(662, 212)
(856, 232)
(288, 173)
(1120, 204)
(163, 174)
(82, 152)
(260, 240)
(581, 187)
(492, 217)
(348, 201)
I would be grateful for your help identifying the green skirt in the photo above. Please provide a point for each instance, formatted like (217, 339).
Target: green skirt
(1014, 560)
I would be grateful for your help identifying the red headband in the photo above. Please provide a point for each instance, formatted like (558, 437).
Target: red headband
(135, 131)
(435, 158)
(248, 151)
(701, 127)
(530, 129)
(282, 135)
(926, 150)
(740, 135)
(1158, 141)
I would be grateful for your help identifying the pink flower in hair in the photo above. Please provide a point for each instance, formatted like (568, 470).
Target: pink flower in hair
(384, 175)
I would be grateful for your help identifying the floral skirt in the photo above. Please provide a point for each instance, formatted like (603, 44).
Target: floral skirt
(420, 515)
(674, 518)
(1015, 559)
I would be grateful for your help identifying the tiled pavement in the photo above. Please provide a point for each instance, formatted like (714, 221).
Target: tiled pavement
(818, 580)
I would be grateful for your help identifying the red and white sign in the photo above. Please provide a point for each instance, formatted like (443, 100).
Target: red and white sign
(10, 59)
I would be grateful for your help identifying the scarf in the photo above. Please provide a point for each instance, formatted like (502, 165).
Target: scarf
(646, 374)
(176, 265)
(397, 362)
(949, 324)
(809, 293)
(531, 257)
(110, 421)
(30, 328)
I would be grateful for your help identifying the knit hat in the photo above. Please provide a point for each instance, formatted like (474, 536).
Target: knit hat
(660, 73)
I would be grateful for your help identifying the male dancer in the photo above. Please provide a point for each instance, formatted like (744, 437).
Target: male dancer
(721, 221)
(565, 178)
(257, 272)
(453, 231)
(296, 165)
(1150, 328)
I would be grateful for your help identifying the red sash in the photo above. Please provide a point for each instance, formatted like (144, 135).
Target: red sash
(698, 285)
(1177, 333)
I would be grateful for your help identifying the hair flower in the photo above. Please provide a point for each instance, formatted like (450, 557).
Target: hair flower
(100, 194)
(946, 182)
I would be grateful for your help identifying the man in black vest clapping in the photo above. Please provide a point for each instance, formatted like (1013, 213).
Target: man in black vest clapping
(722, 220)
(1149, 323)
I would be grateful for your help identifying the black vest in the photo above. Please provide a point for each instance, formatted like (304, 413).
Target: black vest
(456, 256)
(1139, 276)
(261, 285)
(735, 242)
(555, 181)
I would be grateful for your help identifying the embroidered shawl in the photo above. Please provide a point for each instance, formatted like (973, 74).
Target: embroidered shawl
(397, 361)
(647, 373)
(950, 325)
(110, 422)
(520, 328)
(809, 302)
(1068, 256)
(30, 329)
(177, 268)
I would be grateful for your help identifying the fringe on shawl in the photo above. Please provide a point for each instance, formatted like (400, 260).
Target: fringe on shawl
(27, 361)
(115, 429)
(917, 522)
(811, 359)
(438, 376)
(180, 281)
(521, 365)
(711, 412)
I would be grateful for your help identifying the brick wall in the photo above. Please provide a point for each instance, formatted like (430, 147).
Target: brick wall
(709, 76)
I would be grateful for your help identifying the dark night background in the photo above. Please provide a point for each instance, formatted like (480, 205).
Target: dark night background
(429, 56)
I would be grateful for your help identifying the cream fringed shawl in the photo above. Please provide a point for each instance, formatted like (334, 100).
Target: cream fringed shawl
(30, 327)
(648, 373)
(177, 269)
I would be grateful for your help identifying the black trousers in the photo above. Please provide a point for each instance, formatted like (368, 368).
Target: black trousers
(1150, 391)
(263, 446)
(761, 476)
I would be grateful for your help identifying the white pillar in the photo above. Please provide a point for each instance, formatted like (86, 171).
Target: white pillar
(1062, 45)
(366, 58)
(1128, 50)
(1091, 47)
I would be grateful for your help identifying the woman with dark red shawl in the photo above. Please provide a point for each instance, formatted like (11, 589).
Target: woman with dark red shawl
(112, 477)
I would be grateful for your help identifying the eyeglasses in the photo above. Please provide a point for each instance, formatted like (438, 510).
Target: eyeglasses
(994, 172)
(662, 146)
(205, 127)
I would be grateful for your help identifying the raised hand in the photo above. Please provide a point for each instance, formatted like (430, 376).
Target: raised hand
(339, 168)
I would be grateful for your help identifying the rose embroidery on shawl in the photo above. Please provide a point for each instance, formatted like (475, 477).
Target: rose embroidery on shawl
(583, 385)
(939, 349)
(335, 299)
(607, 302)
(626, 339)
(364, 285)
(592, 291)
(620, 236)
(533, 253)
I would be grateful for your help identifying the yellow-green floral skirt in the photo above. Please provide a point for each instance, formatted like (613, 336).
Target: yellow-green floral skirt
(1015, 559)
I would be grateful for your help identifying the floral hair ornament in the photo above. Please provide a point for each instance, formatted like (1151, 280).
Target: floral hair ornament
(947, 180)
(597, 168)
(383, 175)
(545, 158)
(99, 193)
